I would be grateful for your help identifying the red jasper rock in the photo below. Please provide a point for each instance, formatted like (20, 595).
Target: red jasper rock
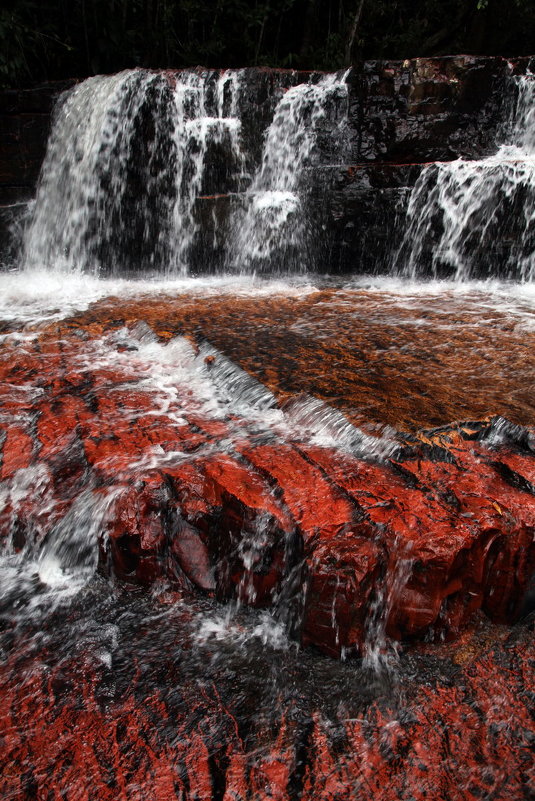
(341, 558)
(330, 540)
(340, 579)
(144, 726)
(17, 450)
(136, 535)
(244, 528)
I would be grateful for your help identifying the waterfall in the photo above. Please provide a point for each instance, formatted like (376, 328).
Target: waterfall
(471, 219)
(135, 161)
(86, 218)
(127, 158)
(199, 126)
(272, 230)
(207, 171)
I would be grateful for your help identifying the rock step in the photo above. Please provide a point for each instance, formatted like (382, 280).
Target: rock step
(219, 504)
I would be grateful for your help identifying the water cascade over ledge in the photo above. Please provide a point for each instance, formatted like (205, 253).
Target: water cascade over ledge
(131, 155)
(265, 532)
(464, 217)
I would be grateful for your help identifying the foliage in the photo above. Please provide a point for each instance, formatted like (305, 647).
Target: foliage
(48, 39)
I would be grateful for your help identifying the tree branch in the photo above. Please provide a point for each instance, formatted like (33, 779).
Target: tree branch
(353, 32)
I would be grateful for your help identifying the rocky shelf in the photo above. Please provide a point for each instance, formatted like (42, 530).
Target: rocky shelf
(430, 526)
(466, 733)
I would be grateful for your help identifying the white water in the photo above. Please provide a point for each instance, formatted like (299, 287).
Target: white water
(132, 157)
(60, 553)
(198, 126)
(125, 164)
(77, 209)
(477, 218)
(272, 230)
(42, 296)
(380, 653)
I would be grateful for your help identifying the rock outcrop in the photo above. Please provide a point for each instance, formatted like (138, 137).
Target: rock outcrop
(145, 722)
(239, 505)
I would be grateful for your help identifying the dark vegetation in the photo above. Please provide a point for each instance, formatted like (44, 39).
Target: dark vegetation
(52, 39)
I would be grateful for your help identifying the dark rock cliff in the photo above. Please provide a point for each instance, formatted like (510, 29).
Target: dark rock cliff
(402, 115)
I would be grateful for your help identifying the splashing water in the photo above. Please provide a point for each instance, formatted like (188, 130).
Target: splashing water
(380, 652)
(57, 559)
(472, 219)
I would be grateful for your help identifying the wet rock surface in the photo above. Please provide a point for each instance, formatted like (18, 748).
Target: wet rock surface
(238, 521)
(239, 501)
(150, 708)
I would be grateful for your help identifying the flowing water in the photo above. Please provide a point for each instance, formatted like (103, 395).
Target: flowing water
(158, 686)
(132, 155)
(273, 231)
(464, 217)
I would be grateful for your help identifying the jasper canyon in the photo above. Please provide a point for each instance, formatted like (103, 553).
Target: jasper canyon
(267, 443)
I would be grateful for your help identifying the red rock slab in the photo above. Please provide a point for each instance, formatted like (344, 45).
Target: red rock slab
(58, 422)
(340, 580)
(17, 450)
(421, 537)
(19, 364)
(138, 546)
(458, 742)
(120, 433)
(341, 551)
(355, 521)
(68, 734)
(448, 540)
(150, 540)
(109, 753)
(213, 521)
(113, 449)
(227, 531)
(247, 532)
(504, 518)
(521, 466)
(321, 507)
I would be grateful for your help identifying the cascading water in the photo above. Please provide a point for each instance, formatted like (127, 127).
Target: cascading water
(127, 159)
(199, 126)
(132, 156)
(273, 231)
(473, 219)
(86, 216)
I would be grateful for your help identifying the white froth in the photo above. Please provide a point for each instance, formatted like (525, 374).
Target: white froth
(479, 208)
